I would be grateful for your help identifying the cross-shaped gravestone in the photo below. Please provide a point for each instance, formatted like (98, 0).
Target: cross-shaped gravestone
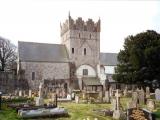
(117, 99)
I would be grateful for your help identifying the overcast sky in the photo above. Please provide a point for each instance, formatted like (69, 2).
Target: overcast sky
(39, 20)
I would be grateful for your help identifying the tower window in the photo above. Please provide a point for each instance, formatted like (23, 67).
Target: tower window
(79, 35)
(72, 50)
(90, 36)
(85, 51)
(85, 71)
(33, 75)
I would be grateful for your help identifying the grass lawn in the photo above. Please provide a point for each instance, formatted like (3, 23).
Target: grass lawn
(83, 111)
(76, 111)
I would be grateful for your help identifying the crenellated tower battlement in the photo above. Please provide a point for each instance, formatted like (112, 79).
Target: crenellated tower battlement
(80, 24)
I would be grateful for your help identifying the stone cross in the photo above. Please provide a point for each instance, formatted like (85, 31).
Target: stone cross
(117, 99)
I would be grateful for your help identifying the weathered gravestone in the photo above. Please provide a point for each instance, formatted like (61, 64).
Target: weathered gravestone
(135, 97)
(20, 93)
(39, 99)
(77, 99)
(141, 97)
(157, 94)
(111, 91)
(151, 104)
(107, 97)
(30, 93)
(147, 92)
(125, 91)
(117, 113)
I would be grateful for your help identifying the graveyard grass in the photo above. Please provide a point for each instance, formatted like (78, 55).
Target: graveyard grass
(76, 111)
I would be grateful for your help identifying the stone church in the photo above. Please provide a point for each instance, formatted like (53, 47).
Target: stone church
(71, 65)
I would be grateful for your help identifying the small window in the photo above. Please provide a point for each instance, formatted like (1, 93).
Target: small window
(33, 75)
(79, 35)
(85, 51)
(72, 50)
(90, 36)
(85, 71)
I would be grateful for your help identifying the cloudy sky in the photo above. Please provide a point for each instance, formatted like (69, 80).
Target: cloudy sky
(39, 20)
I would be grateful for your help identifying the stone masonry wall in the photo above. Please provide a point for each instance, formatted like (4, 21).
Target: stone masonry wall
(44, 70)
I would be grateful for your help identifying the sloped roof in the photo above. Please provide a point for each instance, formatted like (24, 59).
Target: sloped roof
(89, 81)
(42, 52)
(108, 59)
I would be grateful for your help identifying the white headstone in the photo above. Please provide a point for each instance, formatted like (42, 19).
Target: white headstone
(69, 97)
(20, 93)
(157, 94)
(30, 93)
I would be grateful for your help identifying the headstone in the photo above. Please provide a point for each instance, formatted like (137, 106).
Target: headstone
(125, 91)
(111, 91)
(118, 114)
(101, 96)
(151, 104)
(107, 98)
(114, 104)
(39, 99)
(30, 93)
(132, 104)
(141, 97)
(135, 97)
(68, 96)
(73, 95)
(83, 96)
(157, 94)
(77, 99)
(147, 92)
(20, 93)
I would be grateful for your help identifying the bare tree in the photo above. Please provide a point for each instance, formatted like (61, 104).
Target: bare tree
(7, 54)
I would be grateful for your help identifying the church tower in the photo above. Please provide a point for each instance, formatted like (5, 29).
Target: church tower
(82, 40)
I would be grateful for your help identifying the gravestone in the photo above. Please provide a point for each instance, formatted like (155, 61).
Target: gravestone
(135, 97)
(157, 94)
(151, 104)
(141, 97)
(147, 92)
(101, 96)
(132, 104)
(106, 97)
(30, 93)
(125, 91)
(114, 104)
(111, 91)
(20, 93)
(77, 99)
(69, 97)
(117, 113)
(39, 99)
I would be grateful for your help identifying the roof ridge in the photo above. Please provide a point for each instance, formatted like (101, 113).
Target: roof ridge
(39, 43)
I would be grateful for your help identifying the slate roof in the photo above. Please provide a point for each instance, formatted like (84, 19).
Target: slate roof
(90, 81)
(109, 59)
(42, 52)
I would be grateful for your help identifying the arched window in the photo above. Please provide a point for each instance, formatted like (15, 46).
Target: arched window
(85, 51)
(79, 35)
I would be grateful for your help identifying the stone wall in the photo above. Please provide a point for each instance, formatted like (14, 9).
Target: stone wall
(7, 82)
(44, 70)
